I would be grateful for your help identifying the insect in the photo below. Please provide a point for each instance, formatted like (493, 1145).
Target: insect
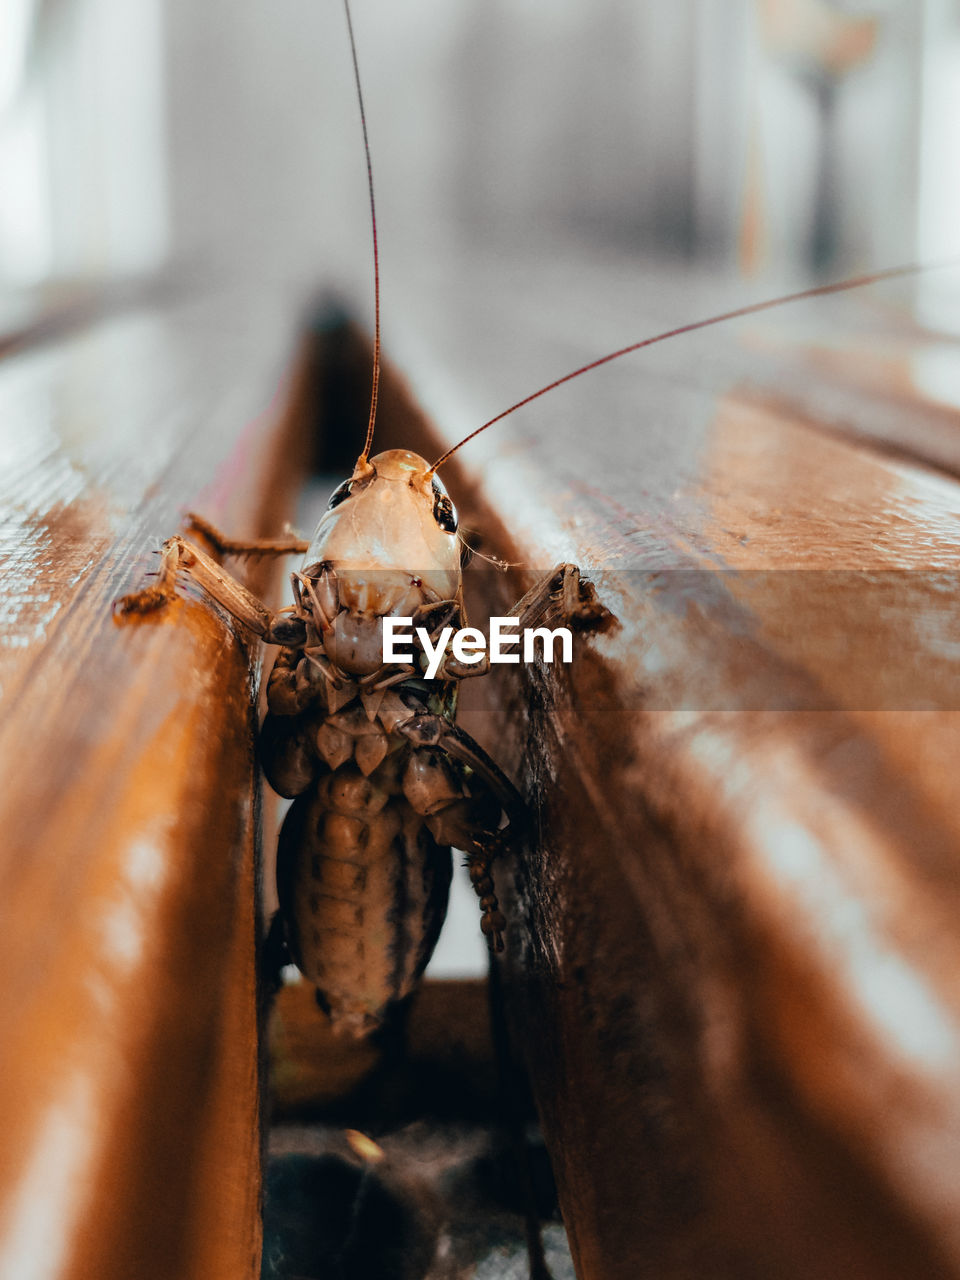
(384, 782)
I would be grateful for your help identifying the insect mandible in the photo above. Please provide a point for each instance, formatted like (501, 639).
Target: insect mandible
(384, 782)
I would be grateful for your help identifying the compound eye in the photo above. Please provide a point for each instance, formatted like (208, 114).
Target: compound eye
(341, 492)
(444, 512)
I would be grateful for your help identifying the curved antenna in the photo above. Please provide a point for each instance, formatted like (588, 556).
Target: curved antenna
(375, 392)
(855, 282)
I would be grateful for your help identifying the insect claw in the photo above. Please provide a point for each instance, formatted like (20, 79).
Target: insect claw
(138, 603)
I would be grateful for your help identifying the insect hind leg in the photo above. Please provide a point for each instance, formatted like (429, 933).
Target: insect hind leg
(463, 807)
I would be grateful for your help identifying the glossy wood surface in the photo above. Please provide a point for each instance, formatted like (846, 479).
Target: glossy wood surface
(733, 945)
(734, 953)
(128, 1036)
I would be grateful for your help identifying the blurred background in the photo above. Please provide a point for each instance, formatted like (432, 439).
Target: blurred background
(222, 140)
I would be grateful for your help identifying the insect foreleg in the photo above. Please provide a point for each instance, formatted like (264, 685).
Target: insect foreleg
(561, 593)
(179, 555)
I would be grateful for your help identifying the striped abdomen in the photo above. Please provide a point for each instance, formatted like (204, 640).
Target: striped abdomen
(363, 889)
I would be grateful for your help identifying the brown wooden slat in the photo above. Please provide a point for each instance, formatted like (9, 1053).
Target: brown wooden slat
(734, 951)
(128, 1047)
(854, 364)
(448, 1061)
(736, 942)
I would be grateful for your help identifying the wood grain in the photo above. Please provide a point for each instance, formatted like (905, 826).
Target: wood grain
(734, 954)
(733, 948)
(128, 1038)
(447, 1066)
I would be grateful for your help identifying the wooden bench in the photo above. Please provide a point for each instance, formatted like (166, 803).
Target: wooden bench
(738, 976)
(732, 961)
(128, 1049)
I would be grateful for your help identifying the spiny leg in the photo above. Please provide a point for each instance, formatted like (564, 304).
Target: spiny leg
(468, 820)
(562, 593)
(288, 545)
(177, 554)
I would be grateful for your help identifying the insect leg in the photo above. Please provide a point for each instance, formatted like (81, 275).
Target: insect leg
(161, 592)
(467, 818)
(322, 614)
(436, 615)
(177, 554)
(224, 546)
(564, 593)
(434, 731)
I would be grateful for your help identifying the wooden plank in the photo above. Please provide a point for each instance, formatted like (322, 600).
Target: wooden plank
(855, 364)
(734, 952)
(447, 1067)
(128, 1045)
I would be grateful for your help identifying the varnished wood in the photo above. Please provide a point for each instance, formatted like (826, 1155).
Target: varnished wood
(447, 1062)
(733, 944)
(735, 972)
(128, 1039)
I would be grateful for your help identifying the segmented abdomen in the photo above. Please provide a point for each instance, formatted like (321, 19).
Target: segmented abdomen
(363, 889)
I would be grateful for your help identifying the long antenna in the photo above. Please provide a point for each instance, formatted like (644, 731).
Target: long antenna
(816, 292)
(374, 394)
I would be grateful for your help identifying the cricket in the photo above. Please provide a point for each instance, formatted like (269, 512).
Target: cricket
(361, 726)
(384, 781)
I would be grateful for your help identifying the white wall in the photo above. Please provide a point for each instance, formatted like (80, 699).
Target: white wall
(223, 135)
